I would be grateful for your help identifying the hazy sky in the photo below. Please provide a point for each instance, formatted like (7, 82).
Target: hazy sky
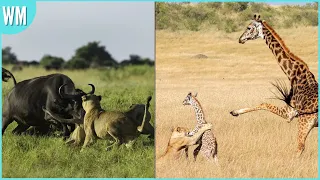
(59, 28)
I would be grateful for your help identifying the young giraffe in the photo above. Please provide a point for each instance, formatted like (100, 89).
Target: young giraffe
(207, 144)
(302, 100)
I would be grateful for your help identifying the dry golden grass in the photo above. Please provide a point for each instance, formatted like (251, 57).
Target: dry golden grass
(257, 144)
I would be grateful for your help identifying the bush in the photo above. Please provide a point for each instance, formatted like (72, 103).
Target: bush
(51, 62)
(213, 5)
(236, 6)
(8, 57)
(77, 63)
(228, 25)
(311, 17)
(231, 16)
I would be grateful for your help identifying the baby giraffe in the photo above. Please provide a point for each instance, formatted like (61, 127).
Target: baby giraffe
(207, 144)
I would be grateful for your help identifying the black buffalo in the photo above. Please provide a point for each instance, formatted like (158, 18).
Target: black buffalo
(29, 102)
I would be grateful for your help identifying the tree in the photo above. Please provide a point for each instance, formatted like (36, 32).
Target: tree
(76, 63)
(94, 54)
(8, 57)
(136, 60)
(51, 62)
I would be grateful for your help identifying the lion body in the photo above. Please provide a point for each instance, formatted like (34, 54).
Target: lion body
(179, 141)
(122, 127)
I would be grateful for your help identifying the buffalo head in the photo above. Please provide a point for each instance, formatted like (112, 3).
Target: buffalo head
(71, 103)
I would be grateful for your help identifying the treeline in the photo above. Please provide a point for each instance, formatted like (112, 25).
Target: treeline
(92, 55)
(231, 16)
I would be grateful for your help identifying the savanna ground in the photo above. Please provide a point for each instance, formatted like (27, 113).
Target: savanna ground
(28, 156)
(234, 76)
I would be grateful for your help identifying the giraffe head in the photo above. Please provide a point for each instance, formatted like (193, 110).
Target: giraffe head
(253, 31)
(189, 99)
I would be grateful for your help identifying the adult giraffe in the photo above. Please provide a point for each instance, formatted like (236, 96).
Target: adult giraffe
(302, 99)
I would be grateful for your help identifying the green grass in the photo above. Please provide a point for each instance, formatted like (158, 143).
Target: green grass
(28, 156)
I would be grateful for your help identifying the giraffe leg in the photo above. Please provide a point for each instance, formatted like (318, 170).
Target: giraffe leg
(210, 155)
(306, 123)
(285, 112)
(186, 151)
(196, 152)
(215, 152)
(215, 158)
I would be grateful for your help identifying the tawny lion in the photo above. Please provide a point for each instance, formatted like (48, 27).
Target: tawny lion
(179, 140)
(122, 127)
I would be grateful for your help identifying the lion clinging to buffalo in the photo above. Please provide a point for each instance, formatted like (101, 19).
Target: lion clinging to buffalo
(53, 101)
(119, 127)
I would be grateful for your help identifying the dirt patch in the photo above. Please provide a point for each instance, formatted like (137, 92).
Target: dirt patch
(200, 56)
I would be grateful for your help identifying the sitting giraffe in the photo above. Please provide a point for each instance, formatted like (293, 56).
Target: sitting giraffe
(302, 99)
(207, 144)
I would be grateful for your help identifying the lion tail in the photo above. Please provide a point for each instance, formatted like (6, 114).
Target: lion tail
(140, 128)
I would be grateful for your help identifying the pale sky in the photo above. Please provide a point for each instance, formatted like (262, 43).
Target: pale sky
(59, 28)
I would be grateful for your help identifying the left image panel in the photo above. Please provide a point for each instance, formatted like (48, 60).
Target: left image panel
(78, 92)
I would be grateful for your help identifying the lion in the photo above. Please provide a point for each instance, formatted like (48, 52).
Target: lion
(180, 139)
(122, 127)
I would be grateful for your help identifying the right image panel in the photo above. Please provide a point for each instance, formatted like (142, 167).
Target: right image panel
(236, 90)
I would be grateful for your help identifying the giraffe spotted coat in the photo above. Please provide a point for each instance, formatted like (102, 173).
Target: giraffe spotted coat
(208, 142)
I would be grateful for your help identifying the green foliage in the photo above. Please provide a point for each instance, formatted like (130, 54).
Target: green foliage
(77, 63)
(301, 15)
(8, 57)
(94, 53)
(136, 60)
(231, 16)
(51, 62)
(28, 156)
(91, 55)
(258, 7)
(214, 5)
(228, 25)
(236, 6)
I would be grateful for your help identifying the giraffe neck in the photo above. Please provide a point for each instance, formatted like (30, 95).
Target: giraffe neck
(291, 65)
(198, 110)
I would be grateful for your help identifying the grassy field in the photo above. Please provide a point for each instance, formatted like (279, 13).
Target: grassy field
(234, 76)
(27, 156)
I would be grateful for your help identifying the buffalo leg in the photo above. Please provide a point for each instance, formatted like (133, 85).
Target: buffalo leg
(39, 130)
(66, 132)
(20, 129)
(5, 123)
(65, 129)
(148, 130)
(72, 127)
(43, 130)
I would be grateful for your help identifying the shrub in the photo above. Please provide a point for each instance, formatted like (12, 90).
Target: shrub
(231, 16)
(236, 6)
(76, 63)
(51, 62)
